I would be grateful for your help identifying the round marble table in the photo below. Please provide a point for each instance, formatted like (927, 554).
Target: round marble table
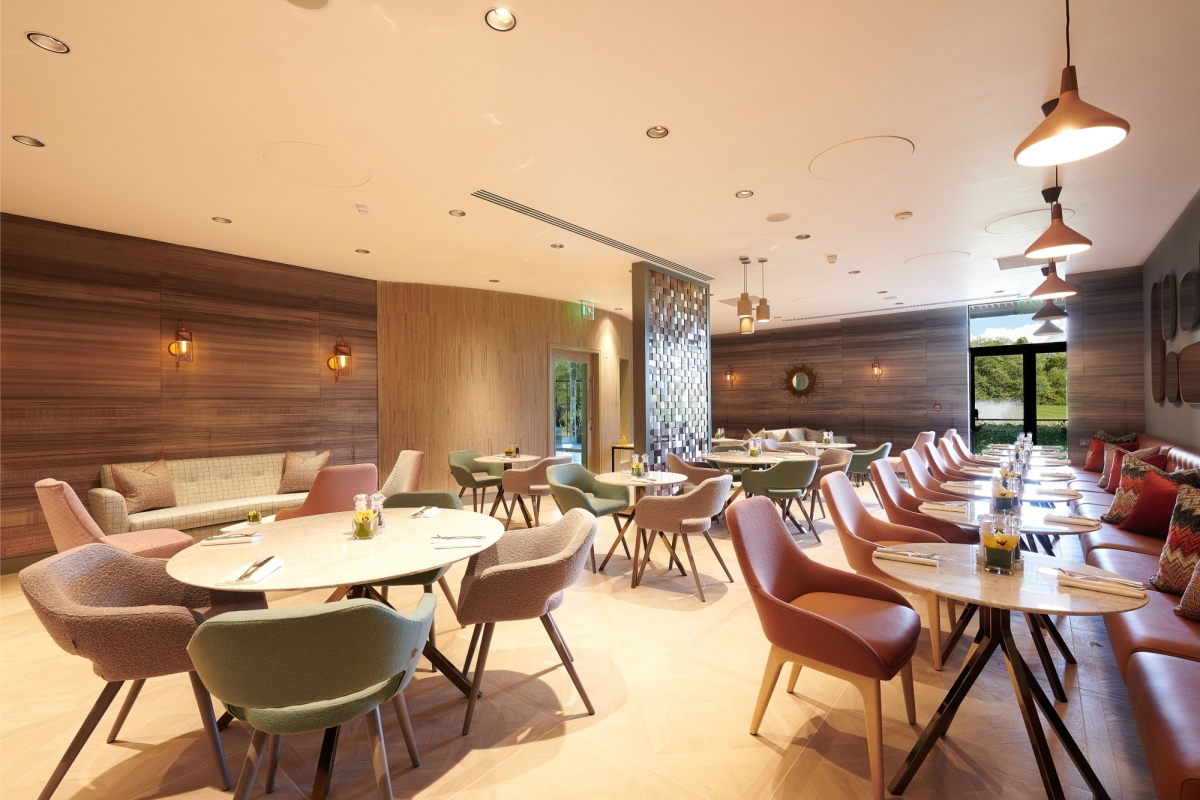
(733, 458)
(1033, 519)
(1034, 591)
(319, 552)
(1031, 494)
(241, 526)
(640, 485)
(1057, 474)
(1035, 461)
(1037, 448)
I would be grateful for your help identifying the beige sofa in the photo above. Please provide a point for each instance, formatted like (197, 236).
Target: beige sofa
(211, 493)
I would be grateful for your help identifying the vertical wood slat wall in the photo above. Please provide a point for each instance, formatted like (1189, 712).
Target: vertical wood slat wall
(468, 369)
(924, 355)
(85, 320)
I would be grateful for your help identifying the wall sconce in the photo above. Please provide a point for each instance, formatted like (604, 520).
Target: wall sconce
(182, 348)
(730, 378)
(876, 369)
(340, 362)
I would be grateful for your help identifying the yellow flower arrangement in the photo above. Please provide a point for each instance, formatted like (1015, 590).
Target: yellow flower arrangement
(1001, 541)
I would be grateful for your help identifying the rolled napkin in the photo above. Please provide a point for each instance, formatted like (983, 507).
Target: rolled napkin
(908, 559)
(1056, 462)
(947, 503)
(963, 484)
(1049, 473)
(426, 513)
(1105, 586)
(1074, 520)
(1072, 493)
(271, 565)
(238, 537)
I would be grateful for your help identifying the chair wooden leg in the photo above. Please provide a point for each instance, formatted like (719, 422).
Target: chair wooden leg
(471, 649)
(478, 680)
(560, 636)
(592, 558)
(406, 728)
(637, 544)
(324, 776)
(565, 657)
(775, 662)
(674, 557)
(254, 757)
(619, 540)
(474, 499)
(383, 781)
(511, 509)
(717, 553)
(873, 711)
(442, 582)
(687, 546)
(910, 697)
(497, 503)
(461, 492)
(795, 676)
(871, 483)
(933, 606)
(273, 743)
(524, 511)
(537, 515)
(134, 688)
(204, 703)
(107, 694)
(432, 625)
(821, 504)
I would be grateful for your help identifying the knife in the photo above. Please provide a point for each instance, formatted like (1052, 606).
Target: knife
(419, 512)
(253, 568)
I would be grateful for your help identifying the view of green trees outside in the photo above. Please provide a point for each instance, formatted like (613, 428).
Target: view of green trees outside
(1000, 391)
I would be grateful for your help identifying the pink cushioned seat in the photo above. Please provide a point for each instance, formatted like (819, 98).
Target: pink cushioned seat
(72, 526)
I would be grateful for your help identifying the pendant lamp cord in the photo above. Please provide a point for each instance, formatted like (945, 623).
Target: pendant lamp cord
(1068, 2)
(763, 264)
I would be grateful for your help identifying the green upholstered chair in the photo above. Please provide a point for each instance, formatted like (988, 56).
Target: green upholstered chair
(785, 482)
(860, 466)
(470, 474)
(736, 473)
(429, 578)
(295, 670)
(573, 486)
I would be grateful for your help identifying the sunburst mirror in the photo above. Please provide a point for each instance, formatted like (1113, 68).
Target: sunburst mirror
(801, 380)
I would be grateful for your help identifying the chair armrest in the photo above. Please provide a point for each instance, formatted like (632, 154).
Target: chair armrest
(753, 482)
(823, 578)
(127, 643)
(463, 476)
(109, 510)
(569, 497)
(520, 590)
(415, 634)
(609, 491)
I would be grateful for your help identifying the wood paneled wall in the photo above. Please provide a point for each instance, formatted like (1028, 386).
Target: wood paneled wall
(924, 355)
(85, 320)
(1105, 356)
(467, 369)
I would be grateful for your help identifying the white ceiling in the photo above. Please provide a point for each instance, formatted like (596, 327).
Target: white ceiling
(158, 118)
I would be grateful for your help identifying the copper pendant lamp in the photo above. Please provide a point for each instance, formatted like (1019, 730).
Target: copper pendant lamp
(1053, 286)
(745, 307)
(1049, 311)
(1057, 241)
(1048, 329)
(764, 308)
(1072, 129)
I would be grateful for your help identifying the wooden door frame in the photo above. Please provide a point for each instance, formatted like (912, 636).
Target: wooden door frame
(592, 456)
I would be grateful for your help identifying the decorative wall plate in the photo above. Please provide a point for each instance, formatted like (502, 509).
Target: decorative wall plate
(1168, 306)
(1189, 373)
(1189, 300)
(801, 381)
(1171, 377)
(1158, 348)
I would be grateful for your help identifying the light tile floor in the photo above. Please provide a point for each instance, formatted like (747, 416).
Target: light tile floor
(673, 681)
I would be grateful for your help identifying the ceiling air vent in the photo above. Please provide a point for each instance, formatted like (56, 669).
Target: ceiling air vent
(1018, 261)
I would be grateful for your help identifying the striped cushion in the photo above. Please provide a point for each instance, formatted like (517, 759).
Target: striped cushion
(1110, 456)
(1105, 436)
(146, 488)
(1189, 604)
(300, 472)
(1177, 564)
(1133, 474)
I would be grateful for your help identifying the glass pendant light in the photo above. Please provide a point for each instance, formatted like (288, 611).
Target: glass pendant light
(764, 308)
(1072, 129)
(1058, 240)
(1053, 286)
(745, 308)
(1048, 329)
(1049, 311)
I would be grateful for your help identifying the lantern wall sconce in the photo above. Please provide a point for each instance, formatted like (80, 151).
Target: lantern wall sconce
(730, 378)
(341, 362)
(876, 370)
(182, 348)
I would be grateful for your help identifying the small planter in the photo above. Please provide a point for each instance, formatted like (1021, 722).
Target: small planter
(999, 560)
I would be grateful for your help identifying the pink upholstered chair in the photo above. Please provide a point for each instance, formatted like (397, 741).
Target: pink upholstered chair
(922, 438)
(523, 576)
(334, 490)
(825, 619)
(903, 508)
(695, 475)
(533, 483)
(942, 472)
(771, 444)
(950, 433)
(831, 461)
(965, 456)
(862, 534)
(72, 526)
(406, 475)
(683, 515)
(955, 460)
(920, 481)
(132, 621)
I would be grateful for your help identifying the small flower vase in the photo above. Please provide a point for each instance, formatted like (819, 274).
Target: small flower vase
(1001, 505)
(999, 560)
(254, 518)
(365, 524)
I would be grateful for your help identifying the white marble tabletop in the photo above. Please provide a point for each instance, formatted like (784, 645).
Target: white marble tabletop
(1033, 520)
(1040, 475)
(237, 526)
(1034, 589)
(718, 442)
(319, 552)
(503, 459)
(651, 479)
(983, 490)
(741, 459)
(835, 445)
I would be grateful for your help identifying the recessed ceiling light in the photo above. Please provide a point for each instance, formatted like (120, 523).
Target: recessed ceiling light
(493, 280)
(657, 132)
(29, 141)
(885, 291)
(500, 19)
(903, 215)
(364, 252)
(890, 297)
(744, 193)
(48, 42)
(618, 309)
(222, 220)
(778, 217)
(855, 271)
(454, 212)
(803, 236)
(999, 291)
(899, 304)
(558, 246)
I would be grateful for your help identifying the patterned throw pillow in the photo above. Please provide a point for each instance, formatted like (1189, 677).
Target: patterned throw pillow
(762, 434)
(1189, 604)
(795, 435)
(1110, 454)
(145, 489)
(778, 434)
(1105, 436)
(300, 472)
(1113, 469)
(814, 436)
(1133, 474)
(1180, 554)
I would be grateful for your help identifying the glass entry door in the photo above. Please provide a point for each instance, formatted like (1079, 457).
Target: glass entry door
(1016, 388)
(573, 406)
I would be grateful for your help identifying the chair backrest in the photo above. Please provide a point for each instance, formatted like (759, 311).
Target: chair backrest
(771, 444)
(792, 473)
(521, 480)
(463, 467)
(702, 503)
(283, 657)
(937, 465)
(961, 448)
(857, 529)
(333, 490)
(861, 462)
(696, 475)
(772, 563)
(891, 493)
(923, 484)
(406, 475)
(575, 475)
(417, 499)
(950, 433)
(834, 457)
(70, 524)
(923, 438)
